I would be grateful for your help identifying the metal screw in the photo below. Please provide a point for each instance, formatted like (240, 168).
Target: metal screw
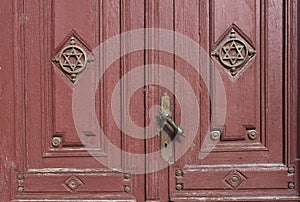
(178, 187)
(127, 189)
(291, 169)
(291, 185)
(20, 176)
(72, 184)
(215, 135)
(126, 176)
(56, 141)
(20, 189)
(252, 134)
(235, 179)
(178, 173)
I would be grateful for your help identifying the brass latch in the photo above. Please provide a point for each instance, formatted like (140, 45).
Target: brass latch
(165, 133)
(165, 118)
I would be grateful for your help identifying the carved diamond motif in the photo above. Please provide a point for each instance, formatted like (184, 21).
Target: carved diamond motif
(71, 57)
(73, 183)
(234, 52)
(235, 179)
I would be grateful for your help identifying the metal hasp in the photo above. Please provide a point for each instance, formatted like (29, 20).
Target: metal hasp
(165, 137)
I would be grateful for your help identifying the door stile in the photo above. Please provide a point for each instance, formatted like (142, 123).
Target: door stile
(159, 14)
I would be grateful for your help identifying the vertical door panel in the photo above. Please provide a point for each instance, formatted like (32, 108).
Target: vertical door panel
(51, 158)
(7, 83)
(248, 158)
(159, 15)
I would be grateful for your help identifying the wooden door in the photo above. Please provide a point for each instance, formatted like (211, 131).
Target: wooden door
(50, 45)
(228, 67)
(244, 147)
(250, 153)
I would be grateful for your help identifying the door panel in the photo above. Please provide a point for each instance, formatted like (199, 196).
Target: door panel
(250, 155)
(248, 158)
(48, 147)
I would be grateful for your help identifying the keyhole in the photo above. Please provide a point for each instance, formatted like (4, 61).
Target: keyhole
(166, 144)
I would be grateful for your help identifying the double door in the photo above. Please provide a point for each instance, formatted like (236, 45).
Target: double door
(148, 100)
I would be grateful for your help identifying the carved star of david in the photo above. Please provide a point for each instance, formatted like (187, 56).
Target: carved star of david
(72, 59)
(68, 59)
(233, 52)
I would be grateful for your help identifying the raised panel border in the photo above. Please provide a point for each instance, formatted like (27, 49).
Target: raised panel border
(262, 120)
(48, 121)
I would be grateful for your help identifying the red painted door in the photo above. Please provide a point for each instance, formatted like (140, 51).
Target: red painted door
(230, 91)
(86, 86)
(53, 44)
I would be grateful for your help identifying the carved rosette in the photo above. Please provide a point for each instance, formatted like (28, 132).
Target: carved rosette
(234, 52)
(72, 57)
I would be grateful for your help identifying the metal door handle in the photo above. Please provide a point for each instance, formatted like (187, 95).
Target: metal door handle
(165, 118)
(166, 150)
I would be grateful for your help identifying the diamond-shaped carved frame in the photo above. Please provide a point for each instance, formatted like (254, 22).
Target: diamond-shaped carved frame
(73, 183)
(235, 178)
(234, 52)
(72, 58)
